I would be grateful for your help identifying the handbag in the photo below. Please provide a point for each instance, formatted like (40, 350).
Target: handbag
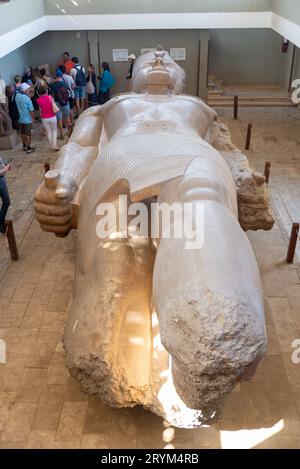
(55, 108)
(90, 89)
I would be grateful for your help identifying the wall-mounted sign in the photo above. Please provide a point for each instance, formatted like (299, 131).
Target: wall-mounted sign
(149, 49)
(178, 53)
(146, 49)
(120, 55)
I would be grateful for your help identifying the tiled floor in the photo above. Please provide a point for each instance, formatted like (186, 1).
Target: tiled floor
(41, 406)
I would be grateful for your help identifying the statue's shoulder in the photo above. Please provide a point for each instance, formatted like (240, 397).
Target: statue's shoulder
(118, 99)
(199, 104)
(192, 99)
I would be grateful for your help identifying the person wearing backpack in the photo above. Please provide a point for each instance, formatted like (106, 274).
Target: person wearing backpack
(60, 92)
(12, 105)
(78, 75)
(71, 86)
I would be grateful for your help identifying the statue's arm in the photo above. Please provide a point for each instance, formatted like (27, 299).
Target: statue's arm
(53, 197)
(255, 212)
(81, 150)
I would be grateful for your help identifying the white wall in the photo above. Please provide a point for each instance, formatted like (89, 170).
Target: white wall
(289, 9)
(83, 7)
(248, 56)
(238, 56)
(19, 12)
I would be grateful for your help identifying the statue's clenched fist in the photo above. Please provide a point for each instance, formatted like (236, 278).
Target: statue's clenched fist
(53, 203)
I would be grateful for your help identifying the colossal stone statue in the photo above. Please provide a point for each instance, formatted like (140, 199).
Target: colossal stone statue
(8, 138)
(5, 121)
(153, 322)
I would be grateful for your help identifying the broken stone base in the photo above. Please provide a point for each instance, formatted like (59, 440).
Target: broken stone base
(9, 142)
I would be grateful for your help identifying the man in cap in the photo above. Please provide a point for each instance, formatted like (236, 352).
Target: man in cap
(26, 116)
(131, 59)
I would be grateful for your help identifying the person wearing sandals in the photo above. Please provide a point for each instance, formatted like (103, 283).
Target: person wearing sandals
(26, 116)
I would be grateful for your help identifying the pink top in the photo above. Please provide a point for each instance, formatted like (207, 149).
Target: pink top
(45, 104)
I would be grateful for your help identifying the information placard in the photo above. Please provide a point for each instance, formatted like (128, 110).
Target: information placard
(178, 53)
(120, 55)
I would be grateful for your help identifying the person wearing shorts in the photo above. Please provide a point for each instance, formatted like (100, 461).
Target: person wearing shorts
(71, 87)
(63, 116)
(26, 116)
(79, 77)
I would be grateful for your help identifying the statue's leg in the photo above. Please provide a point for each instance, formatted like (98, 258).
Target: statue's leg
(107, 335)
(208, 299)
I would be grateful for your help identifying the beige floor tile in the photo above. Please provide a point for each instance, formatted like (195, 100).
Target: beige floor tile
(67, 444)
(280, 310)
(48, 414)
(273, 343)
(274, 373)
(11, 374)
(292, 371)
(18, 425)
(40, 256)
(281, 442)
(74, 393)
(24, 291)
(98, 417)
(9, 285)
(57, 374)
(32, 385)
(41, 439)
(41, 406)
(54, 322)
(13, 445)
(293, 295)
(286, 334)
(295, 313)
(7, 400)
(94, 441)
(71, 421)
(33, 317)
(255, 400)
(12, 315)
(42, 292)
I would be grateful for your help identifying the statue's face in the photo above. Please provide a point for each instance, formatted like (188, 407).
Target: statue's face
(150, 61)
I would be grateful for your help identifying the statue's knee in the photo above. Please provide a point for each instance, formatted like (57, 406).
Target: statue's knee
(193, 188)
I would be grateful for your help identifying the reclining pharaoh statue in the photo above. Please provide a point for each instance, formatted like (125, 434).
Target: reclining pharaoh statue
(153, 323)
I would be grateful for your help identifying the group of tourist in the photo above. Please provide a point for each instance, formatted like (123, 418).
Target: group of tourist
(55, 98)
(37, 95)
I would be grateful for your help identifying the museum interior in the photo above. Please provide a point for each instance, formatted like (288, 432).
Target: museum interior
(149, 332)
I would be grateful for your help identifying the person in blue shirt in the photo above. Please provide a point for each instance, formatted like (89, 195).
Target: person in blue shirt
(26, 116)
(106, 82)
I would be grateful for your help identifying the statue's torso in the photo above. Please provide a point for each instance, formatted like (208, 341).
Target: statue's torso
(151, 114)
(148, 140)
